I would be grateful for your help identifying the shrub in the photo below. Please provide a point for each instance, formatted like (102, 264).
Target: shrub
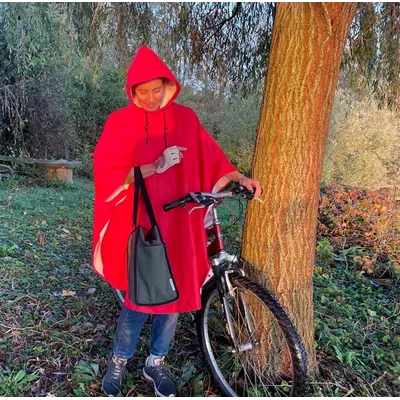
(363, 226)
(363, 143)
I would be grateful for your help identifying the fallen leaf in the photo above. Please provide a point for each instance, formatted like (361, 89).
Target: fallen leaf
(91, 290)
(40, 238)
(66, 293)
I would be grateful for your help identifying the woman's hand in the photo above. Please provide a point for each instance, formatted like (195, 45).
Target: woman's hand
(251, 184)
(171, 156)
(248, 183)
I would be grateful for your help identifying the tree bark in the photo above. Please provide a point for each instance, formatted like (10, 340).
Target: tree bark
(279, 234)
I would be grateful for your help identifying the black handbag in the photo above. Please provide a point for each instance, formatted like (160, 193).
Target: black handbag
(150, 278)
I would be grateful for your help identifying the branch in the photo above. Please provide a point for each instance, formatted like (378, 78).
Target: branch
(220, 25)
(97, 9)
(361, 35)
(235, 12)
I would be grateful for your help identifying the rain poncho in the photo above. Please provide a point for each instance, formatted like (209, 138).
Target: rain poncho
(125, 142)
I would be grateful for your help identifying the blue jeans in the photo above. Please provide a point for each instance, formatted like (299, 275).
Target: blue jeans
(130, 325)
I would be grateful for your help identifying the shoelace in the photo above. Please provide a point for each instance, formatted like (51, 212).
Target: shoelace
(117, 370)
(160, 371)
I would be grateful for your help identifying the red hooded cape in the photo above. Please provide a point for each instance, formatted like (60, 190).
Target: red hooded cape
(125, 143)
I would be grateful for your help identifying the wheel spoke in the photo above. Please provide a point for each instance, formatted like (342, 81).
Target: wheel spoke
(246, 367)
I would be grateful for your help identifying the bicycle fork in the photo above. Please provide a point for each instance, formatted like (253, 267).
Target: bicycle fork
(242, 305)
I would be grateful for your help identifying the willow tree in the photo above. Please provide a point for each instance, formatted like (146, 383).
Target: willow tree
(279, 234)
(372, 55)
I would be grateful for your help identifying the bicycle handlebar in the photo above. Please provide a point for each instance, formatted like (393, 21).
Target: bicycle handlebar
(180, 202)
(206, 198)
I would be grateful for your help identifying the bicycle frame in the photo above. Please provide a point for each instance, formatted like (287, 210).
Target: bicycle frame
(216, 249)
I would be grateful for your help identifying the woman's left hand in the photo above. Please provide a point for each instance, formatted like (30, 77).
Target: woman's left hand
(251, 184)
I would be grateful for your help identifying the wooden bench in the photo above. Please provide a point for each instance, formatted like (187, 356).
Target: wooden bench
(55, 169)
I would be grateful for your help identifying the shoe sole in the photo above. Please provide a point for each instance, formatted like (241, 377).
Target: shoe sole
(149, 378)
(108, 395)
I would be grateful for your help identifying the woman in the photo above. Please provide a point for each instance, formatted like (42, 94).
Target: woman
(176, 155)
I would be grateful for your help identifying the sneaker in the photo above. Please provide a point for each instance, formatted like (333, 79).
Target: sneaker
(164, 386)
(112, 382)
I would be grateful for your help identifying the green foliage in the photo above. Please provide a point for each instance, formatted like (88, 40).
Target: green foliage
(372, 52)
(65, 69)
(62, 103)
(90, 104)
(324, 253)
(52, 105)
(231, 120)
(238, 131)
(356, 330)
(83, 374)
(15, 383)
(357, 319)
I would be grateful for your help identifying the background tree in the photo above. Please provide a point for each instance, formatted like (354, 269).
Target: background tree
(64, 66)
(372, 52)
(279, 235)
(59, 59)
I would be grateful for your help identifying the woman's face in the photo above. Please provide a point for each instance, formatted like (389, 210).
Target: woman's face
(150, 95)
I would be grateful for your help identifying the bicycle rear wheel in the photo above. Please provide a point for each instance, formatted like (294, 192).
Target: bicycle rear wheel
(6, 171)
(268, 358)
(119, 295)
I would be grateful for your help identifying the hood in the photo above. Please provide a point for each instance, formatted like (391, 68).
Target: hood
(146, 66)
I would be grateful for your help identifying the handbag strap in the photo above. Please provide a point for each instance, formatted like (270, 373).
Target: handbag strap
(136, 196)
(141, 186)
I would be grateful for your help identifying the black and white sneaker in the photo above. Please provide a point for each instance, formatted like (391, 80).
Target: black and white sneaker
(112, 382)
(164, 386)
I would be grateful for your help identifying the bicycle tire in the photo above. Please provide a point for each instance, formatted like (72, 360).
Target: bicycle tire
(6, 171)
(212, 342)
(119, 296)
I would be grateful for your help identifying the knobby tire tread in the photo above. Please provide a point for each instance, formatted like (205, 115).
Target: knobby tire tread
(296, 348)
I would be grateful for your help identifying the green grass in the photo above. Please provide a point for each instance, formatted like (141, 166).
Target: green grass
(357, 328)
(53, 343)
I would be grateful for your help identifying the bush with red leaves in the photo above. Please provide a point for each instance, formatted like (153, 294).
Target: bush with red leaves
(362, 219)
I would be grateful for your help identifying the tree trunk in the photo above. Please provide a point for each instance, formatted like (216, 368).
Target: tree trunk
(279, 234)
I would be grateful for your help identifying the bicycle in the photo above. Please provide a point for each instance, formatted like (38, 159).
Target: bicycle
(5, 171)
(240, 321)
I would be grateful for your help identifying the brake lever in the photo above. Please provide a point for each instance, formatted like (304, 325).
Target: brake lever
(248, 196)
(196, 208)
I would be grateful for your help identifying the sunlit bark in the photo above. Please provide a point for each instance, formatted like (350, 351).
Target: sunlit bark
(279, 235)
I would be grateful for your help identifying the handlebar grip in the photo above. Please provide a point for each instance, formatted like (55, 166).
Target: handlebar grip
(177, 203)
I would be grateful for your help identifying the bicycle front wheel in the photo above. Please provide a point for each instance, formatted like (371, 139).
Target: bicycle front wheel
(265, 357)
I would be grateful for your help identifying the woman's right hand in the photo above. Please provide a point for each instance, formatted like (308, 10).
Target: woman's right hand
(171, 156)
